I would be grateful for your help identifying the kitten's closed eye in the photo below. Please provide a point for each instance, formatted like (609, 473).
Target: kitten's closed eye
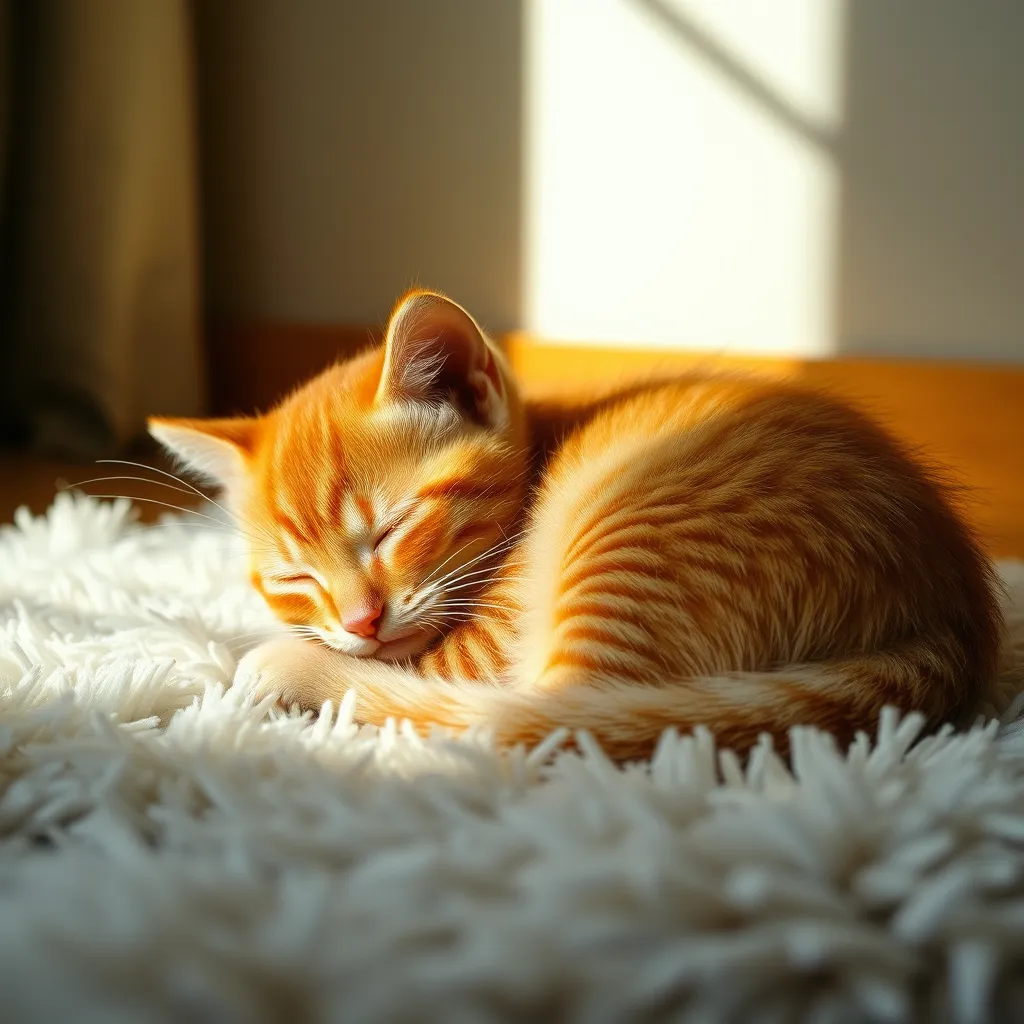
(294, 581)
(390, 528)
(384, 534)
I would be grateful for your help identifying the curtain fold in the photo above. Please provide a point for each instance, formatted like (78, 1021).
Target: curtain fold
(101, 261)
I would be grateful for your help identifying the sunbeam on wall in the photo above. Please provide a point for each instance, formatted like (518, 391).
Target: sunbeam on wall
(680, 173)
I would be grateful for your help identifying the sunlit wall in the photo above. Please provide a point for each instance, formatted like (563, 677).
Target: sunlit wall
(679, 173)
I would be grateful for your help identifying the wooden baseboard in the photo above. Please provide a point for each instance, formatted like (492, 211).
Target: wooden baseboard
(254, 366)
(968, 417)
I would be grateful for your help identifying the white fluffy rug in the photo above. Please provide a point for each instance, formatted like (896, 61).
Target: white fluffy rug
(168, 853)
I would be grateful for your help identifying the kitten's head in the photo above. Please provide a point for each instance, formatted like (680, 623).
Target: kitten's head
(371, 496)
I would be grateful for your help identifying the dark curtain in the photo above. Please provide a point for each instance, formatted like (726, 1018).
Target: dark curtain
(100, 277)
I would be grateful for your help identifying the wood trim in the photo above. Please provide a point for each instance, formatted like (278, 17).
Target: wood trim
(253, 366)
(968, 417)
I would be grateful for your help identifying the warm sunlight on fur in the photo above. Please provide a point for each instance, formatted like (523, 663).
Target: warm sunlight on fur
(710, 549)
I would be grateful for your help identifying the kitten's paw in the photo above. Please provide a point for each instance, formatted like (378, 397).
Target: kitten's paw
(296, 671)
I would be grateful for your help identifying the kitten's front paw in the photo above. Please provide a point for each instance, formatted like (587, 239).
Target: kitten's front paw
(296, 671)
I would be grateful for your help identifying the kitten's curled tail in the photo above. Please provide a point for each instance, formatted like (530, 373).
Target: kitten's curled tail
(843, 697)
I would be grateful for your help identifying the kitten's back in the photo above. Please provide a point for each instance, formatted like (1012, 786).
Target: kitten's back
(720, 525)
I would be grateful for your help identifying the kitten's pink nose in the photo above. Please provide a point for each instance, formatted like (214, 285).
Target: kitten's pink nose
(363, 620)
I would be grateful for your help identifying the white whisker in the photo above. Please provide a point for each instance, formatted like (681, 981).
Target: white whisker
(445, 562)
(457, 584)
(193, 489)
(493, 551)
(472, 604)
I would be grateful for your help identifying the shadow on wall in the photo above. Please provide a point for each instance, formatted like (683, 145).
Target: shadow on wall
(928, 159)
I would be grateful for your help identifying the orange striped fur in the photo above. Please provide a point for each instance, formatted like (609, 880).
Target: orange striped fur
(716, 550)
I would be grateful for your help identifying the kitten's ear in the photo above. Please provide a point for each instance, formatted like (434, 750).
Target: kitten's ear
(435, 350)
(216, 450)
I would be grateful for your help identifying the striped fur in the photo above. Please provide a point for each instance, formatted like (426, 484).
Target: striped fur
(711, 550)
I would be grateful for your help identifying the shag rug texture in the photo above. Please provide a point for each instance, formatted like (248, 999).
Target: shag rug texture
(169, 852)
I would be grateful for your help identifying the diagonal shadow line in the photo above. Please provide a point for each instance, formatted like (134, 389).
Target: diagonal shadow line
(725, 62)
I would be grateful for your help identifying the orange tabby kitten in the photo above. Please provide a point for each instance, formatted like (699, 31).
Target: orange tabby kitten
(720, 550)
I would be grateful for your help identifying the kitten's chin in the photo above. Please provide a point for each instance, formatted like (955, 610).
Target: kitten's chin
(401, 649)
(354, 647)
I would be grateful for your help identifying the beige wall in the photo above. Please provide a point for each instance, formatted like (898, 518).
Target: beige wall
(809, 176)
(353, 149)
(932, 211)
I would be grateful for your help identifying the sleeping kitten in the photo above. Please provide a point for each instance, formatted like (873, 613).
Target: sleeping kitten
(707, 549)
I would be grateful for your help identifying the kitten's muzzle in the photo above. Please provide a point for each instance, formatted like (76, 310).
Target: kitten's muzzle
(363, 620)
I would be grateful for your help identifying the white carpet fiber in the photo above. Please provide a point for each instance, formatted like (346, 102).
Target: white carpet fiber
(168, 853)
